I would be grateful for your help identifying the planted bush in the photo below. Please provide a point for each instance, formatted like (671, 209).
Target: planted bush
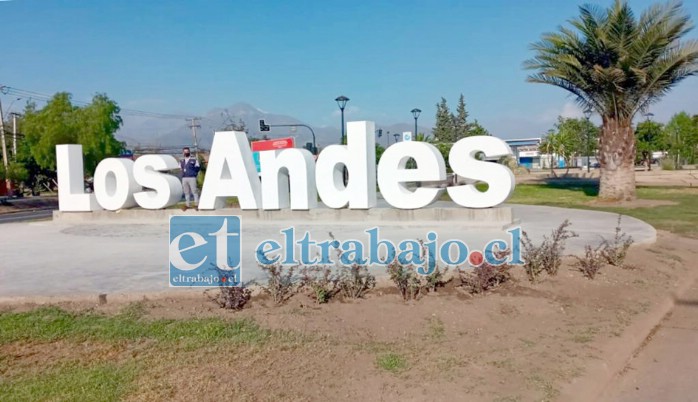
(411, 284)
(615, 251)
(322, 283)
(355, 281)
(486, 276)
(546, 257)
(280, 283)
(232, 297)
(592, 262)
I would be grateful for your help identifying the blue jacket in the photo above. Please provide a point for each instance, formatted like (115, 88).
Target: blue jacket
(190, 168)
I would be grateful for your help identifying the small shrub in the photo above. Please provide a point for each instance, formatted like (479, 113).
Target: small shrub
(322, 283)
(668, 164)
(411, 284)
(408, 282)
(547, 257)
(592, 262)
(615, 251)
(436, 279)
(355, 280)
(232, 297)
(485, 277)
(280, 284)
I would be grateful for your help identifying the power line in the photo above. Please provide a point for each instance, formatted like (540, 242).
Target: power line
(32, 95)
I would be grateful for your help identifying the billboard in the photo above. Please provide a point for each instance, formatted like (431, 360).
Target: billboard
(270, 145)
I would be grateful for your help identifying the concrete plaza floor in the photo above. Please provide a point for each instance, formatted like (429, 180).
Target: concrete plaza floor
(49, 258)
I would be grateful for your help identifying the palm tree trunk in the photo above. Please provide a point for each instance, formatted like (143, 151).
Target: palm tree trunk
(617, 158)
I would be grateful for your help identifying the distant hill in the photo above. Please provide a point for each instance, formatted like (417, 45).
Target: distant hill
(142, 131)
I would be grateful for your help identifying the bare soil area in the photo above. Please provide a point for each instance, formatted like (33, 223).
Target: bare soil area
(522, 342)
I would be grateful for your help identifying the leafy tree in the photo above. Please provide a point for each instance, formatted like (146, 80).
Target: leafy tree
(443, 131)
(617, 64)
(423, 137)
(476, 129)
(579, 135)
(549, 145)
(379, 152)
(681, 135)
(649, 137)
(15, 172)
(445, 148)
(60, 122)
(460, 120)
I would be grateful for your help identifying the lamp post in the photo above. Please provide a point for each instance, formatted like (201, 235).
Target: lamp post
(415, 114)
(587, 115)
(396, 135)
(342, 103)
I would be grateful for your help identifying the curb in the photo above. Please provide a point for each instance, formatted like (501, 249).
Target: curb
(28, 210)
(601, 373)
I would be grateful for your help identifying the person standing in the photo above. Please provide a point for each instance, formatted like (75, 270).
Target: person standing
(190, 169)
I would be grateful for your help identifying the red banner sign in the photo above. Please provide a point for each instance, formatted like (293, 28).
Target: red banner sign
(270, 145)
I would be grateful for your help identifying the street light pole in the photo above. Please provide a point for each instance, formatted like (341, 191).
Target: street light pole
(415, 114)
(396, 135)
(587, 115)
(342, 103)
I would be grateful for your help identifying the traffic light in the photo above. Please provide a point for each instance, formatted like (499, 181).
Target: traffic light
(262, 126)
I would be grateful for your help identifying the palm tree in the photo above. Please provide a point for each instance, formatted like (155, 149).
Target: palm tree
(617, 65)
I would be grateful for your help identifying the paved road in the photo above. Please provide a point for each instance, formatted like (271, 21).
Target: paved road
(26, 216)
(667, 368)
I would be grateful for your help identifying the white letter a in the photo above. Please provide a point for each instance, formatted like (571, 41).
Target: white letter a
(231, 172)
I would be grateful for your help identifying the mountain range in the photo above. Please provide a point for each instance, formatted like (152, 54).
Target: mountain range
(140, 131)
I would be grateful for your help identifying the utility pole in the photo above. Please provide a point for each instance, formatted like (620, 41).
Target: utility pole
(14, 134)
(2, 138)
(194, 125)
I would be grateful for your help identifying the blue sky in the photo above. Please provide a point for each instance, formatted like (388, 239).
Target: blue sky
(294, 58)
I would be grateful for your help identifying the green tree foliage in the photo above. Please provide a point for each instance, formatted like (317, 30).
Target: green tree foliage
(445, 148)
(649, 136)
(617, 64)
(476, 129)
(423, 138)
(681, 135)
(15, 172)
(460, 120)
(60, 122)
(443, 130)
(568, 138)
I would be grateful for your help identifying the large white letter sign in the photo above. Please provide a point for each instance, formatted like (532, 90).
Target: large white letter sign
(114, 184)
(359, 156)
(231, 173)
(166, 189)
(71, 181)
(276, 167)
(392, 174)
(498, 177)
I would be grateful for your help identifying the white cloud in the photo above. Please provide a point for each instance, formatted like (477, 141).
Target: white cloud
(571, 110)
(568, 110)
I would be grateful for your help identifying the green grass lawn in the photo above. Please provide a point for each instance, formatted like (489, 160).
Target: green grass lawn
(122, 349)
(681, 218)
